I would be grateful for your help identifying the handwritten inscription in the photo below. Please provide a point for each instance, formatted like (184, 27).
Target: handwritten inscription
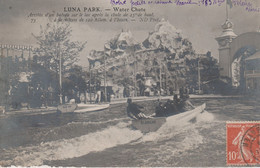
(186, 2)
(162, 2)
(242, 3)
(210, 2)
(249, 6)
(253, 9)
(118, 2)
(137, 2)
(128, 10)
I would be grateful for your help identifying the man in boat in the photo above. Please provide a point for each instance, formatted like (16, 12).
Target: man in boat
(185, 104)
(134, 110)
(171, 106)
(160, 110)
(175, 106)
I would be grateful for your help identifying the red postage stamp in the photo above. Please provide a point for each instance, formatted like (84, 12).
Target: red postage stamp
(243, 143)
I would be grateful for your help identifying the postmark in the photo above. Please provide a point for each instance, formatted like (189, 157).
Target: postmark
(243, 143)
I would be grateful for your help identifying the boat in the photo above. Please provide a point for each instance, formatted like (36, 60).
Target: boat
(66, 108)
(82, 108)
(152, 124)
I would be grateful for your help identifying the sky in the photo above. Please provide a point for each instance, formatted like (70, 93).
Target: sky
(200, 24)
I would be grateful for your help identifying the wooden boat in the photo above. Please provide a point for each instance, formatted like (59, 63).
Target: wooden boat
(153, 124)
(82, 108)
(66, 108)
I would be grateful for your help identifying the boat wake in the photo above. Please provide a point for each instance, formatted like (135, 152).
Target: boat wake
(179, 124)
(178, 136)
(75, 147)
(180, 129)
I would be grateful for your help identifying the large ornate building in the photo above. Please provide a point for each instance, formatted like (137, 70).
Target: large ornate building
(239, 57)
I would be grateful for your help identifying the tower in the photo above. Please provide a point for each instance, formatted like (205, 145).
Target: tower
(224, 41)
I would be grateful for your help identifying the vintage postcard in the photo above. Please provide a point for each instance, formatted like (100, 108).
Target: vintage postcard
(129, 83)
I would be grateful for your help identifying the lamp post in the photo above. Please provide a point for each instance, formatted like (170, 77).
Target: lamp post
(105, 77)
(135, 69)
(60, 74)
(160, 77)
(199, 73)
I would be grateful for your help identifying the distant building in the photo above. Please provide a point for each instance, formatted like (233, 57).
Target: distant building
(238, 57)
(252, 73)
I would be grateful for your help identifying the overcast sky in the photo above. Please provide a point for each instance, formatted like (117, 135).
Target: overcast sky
(200, 24)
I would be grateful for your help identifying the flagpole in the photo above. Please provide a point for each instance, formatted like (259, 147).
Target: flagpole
(226, 10)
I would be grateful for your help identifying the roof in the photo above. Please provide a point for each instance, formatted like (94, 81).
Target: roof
(254, 56)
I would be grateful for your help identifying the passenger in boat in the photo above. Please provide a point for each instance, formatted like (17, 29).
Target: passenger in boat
(176, 102)
(185, 104)
(176, 99)
(134, 110)
(160, 110)
(171, 106)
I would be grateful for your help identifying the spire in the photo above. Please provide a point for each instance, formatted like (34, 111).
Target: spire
(227, 27)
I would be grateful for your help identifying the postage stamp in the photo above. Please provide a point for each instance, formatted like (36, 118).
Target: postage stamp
(243, 143)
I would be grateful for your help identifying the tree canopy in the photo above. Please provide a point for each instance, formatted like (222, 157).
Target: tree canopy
(54, 40)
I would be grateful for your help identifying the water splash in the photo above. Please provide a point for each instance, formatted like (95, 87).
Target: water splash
(176, 138)
(205, 117)
(76, 147)
(183, 136)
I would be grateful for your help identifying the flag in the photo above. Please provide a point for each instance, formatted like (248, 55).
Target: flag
(229, 2)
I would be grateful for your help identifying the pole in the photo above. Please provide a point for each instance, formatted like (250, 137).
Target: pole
(2, 86)
(165, 81)
(7, 80)
(105, 78)
(60, 74)
(135, 76)
(29, 66)
(90, 99)
(1, 58)
(160, 74)
(1, 69)
(199, 73)
(226, 10)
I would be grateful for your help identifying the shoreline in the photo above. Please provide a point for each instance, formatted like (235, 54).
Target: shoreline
(49, 110)
(146, 98)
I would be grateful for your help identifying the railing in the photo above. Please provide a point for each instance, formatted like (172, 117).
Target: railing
(252, 72)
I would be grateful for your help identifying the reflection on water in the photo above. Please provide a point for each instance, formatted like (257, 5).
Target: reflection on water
(105, 138)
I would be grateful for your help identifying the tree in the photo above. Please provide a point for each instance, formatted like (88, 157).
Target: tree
(75, 83)
(55, 47)
(54, 41)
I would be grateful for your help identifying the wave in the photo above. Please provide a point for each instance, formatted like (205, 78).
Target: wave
(176, 137)
(177, 123)
(74, 129)
(75, 147)
(178, 132)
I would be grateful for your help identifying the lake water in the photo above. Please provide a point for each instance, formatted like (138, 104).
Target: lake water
(106, 138)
